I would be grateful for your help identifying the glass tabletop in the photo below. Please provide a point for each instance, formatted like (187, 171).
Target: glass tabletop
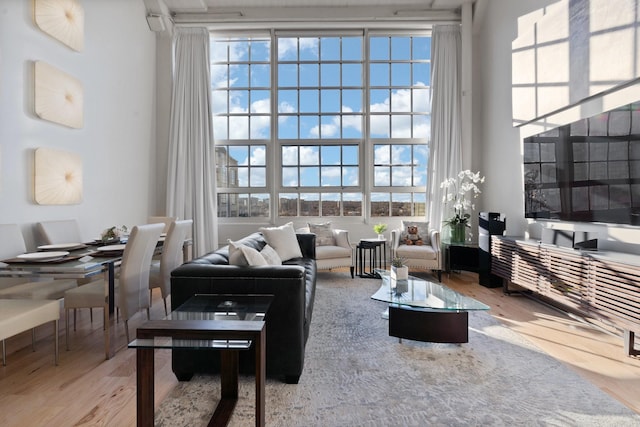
(415, 292)
(215, 308)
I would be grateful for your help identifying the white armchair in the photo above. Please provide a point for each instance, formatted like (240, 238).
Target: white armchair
(427, 256)
(332, 253)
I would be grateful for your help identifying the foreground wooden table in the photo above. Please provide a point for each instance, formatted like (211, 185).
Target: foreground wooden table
(147, 341)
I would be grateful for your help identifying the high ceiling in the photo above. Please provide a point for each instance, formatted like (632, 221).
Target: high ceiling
(203, 5)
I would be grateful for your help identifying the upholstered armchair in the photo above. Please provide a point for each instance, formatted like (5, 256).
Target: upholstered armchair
(333, 249)
(422, 253)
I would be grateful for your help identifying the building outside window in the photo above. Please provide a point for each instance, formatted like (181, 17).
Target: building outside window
(331, 125)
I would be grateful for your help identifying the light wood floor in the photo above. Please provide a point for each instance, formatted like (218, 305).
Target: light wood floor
(86, 390)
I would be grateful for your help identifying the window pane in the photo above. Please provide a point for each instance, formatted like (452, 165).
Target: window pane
(330, 204)
(350, 155)
(258, 155)
(288, 127)
(219, 102)
(331, 176)
(379, 48)
(289, 177)
(401, 126)
(309, 155)
(309, 176)
(239, 75)
(259, 206)
(330, 101)
(287, 101)
(330, 155)
(420, 101)
(421, 74)
(219, 51)
(330, 74)
(220, 127)
(289, 155)
(352, 204)
(381, 154)
(330, 127)
(401, 101)
(351, 126)
(330, 48)
(260, 127)
(381, 176)
(401, 205)
(379, 75)
(419, 204)
(309, 75)
(260, 75)
(238, 127)
(287, 75)
(380, 126)
(308, 127)
(351, 101)
(379, 100)
(351, 48)
(351, 75)
(400, 74)
(401, 154)
(401, 176)
(287, 49)
(239, 101)
(288, 204)
(309, 49)
(400, 48)
(219, 77)
(350, 176)
(308, 101)
(421, 127)
(238, 50)
(422, 47)
(260, 50)
(309, 204)
(379, 204)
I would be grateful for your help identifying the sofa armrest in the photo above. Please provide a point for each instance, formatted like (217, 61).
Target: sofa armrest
(307, 242)
(395, 239)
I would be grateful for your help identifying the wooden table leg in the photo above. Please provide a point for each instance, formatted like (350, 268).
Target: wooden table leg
(228, 388)
(261, 364)
(145, 390)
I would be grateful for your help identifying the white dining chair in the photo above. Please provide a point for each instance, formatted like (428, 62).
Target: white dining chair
(166, 220)
(59, 231)
(160, 275)
(132, 284)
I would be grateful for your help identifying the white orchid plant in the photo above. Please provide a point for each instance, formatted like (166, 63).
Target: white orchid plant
(458, 194)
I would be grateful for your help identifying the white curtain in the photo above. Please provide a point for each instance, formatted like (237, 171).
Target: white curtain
(191, 177)
(445, 153)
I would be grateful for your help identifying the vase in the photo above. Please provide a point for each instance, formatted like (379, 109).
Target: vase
(458, 233)
(399, 273)
(381, 237)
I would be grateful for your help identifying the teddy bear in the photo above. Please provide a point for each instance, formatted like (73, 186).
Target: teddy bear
(413, 238)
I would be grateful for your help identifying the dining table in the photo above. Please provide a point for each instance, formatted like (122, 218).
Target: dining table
(82, 261)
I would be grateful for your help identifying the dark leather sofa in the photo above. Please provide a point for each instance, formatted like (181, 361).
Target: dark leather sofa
(288, 319)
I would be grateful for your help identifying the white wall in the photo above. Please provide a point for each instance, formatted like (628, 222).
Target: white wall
(117, 69)
(498, 144)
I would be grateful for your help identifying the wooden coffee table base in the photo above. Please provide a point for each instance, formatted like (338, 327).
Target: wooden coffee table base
(428, 325)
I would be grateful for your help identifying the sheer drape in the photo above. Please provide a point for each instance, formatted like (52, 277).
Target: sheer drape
(191, 177)
(445, 153)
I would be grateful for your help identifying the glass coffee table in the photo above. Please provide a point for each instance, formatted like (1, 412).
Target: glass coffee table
(229, 323)
(422, 310)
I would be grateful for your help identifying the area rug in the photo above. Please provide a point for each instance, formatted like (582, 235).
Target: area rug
(356, 375)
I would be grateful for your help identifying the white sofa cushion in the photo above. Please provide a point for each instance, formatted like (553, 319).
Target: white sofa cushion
(327, 252)
(270, 255)
(412, 251)
(283, 239)
(253, 256)
(236, 257)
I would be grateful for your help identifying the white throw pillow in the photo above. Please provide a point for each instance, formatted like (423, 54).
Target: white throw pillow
(236, 257)
(270, 255)
(253, 256)
(283, 239)
(324, 234)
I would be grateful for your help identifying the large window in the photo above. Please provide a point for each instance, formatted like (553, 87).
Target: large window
(335, 125)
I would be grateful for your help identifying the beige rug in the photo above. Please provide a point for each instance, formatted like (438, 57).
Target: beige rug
(356, 375)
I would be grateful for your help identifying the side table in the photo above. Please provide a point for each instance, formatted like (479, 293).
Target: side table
(229, 323)
(461, 256)
(375, 250)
